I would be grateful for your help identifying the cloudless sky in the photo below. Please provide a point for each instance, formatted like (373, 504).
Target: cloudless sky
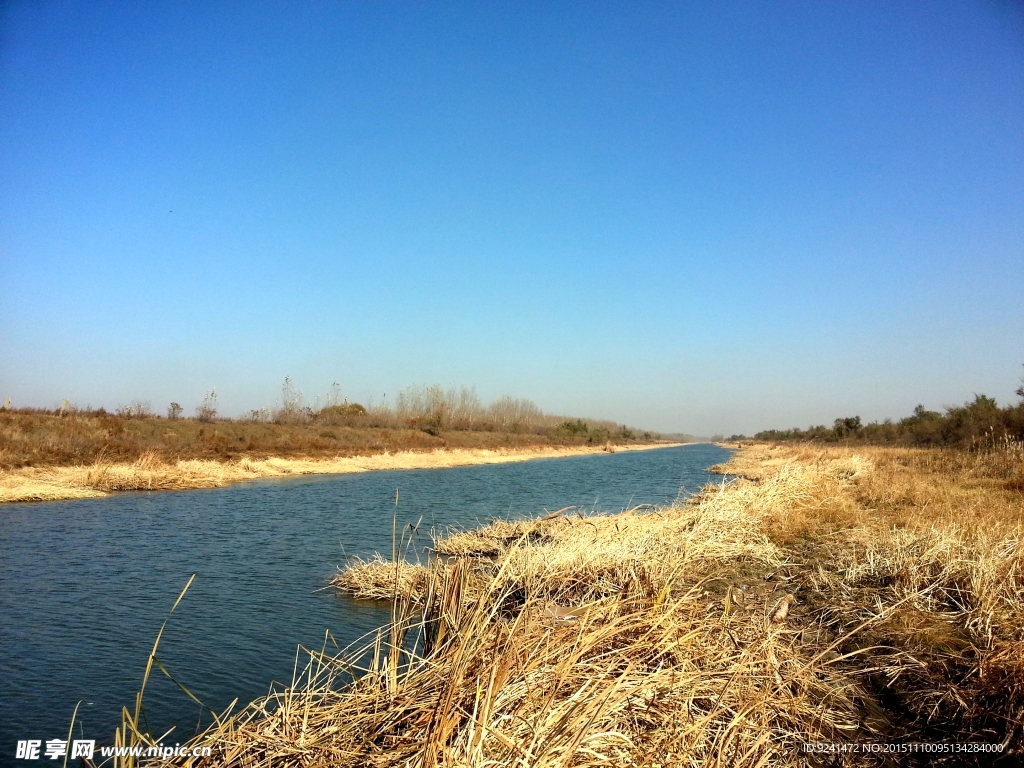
(703, 217)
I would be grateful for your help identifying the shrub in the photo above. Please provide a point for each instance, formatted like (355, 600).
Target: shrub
(347, 409)
(137, 410)
(977, 424)
(207, 410)
(574, 428)
(847, 426)
(258, 415)
(292, 410)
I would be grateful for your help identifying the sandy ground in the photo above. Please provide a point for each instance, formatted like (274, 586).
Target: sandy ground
(55, 483)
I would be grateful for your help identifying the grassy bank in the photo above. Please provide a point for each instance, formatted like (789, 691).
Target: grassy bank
(49, 455)
(31, 438)
(826, 596)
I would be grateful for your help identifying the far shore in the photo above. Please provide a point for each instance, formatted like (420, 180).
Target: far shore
(148, 474)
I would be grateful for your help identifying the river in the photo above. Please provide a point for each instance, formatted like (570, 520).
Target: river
(85, 585)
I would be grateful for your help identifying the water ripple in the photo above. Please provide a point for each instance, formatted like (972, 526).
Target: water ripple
(86, 584)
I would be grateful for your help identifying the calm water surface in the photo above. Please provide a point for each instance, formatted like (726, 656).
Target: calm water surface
(85, 585)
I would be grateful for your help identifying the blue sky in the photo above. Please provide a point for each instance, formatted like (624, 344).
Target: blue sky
(684, 216)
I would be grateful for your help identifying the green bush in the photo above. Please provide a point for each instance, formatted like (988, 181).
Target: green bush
(576, 428)
(978, 422)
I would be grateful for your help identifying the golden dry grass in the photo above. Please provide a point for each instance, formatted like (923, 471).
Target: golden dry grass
(151, 473)
(834, 596)
(380, 579)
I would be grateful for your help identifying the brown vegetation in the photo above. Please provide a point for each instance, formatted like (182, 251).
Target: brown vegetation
(839, 596)
(70, 453)
(48, 439)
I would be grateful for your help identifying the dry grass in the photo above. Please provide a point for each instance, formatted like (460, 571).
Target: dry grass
(836, 596)
(380, 579)
(151, 473)
(80, 438)
(925, 546)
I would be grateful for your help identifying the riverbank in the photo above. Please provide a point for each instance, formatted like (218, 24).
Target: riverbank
(66, 438)
(828, 597)
(151, 473)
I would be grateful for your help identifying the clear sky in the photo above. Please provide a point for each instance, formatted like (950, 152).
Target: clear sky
(704, 217)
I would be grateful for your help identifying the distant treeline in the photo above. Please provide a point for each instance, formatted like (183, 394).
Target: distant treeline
(418, 419)
(976, 423)
(435, 409)
(432, 409)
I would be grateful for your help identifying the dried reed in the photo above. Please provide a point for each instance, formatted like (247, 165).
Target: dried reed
(835, 597)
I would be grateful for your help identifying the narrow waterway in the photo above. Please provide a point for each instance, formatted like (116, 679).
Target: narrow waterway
(85, 585)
